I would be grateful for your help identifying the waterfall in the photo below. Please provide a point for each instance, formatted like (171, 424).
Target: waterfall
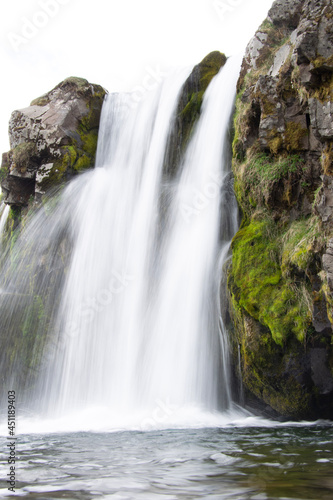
(4, 212)
(135, 323)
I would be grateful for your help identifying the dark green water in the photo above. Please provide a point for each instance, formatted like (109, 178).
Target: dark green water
(281, 462)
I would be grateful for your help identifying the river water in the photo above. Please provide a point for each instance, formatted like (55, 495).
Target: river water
(249, 459)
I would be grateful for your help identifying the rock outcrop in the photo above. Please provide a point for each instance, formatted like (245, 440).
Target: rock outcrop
(189, 108)
(281, 278)
(51, 140)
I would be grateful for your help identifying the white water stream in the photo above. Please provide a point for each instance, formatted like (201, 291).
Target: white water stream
(139, 319)
(136, 338)
(4, 212)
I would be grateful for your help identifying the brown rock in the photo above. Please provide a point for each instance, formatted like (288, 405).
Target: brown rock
(52, 139)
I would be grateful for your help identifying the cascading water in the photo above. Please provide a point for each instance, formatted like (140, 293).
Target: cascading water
(136, 321)
(4, 212)
(106, 299)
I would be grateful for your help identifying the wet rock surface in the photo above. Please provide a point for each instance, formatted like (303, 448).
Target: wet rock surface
(281, 279)
(51, 140)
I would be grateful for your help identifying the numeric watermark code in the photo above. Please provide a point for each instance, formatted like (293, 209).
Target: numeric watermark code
(11, 445)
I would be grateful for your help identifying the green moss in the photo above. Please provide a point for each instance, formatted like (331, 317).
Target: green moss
(3, 172)
(209, 67)
(72, 159)
(12, 229)
(80, 153)
(83, 163)
(259, 287)
(275, 144)
(70, 155)
(193, 106)
(241, 123)
(265, 378)
(291, 140)
(15, 214)
(88, 132)
(294, 136)
(256, 177)
(74, 81)
(189, 116)
(294, 401)
(298, 245)
(91, 120)
(86, 153)
(265, 365)
(322, 62)
(266, 26)
(40, 101)
(22, 155)
(268, 107)
(189, 109)
(89, 141)
(56, 174)
(275, 258)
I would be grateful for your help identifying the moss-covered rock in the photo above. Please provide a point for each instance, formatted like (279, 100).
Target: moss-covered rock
(260, 287)
(280, 296)
(189, 108)
(33, 271)
(52, 140)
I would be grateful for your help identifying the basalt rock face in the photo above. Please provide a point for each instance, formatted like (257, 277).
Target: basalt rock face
(51, 140)
(280, 280)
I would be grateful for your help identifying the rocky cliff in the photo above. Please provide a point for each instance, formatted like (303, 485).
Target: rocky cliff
(51, 140)
(280, 281)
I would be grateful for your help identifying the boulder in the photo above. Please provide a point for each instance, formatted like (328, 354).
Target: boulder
(51, 140)
(286, 12)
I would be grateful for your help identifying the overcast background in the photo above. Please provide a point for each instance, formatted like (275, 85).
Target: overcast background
(114, 43)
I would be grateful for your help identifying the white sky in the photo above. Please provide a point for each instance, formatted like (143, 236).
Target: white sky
(111, 42)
